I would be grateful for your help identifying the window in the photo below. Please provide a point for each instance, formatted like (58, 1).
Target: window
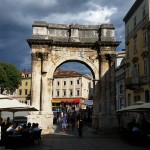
(58, 83)
(127, 31)
(64, 92)
(135, 45)
(26, 75)
(146, 96)
(129, 99)
(121, 88)
(134, 22)
(77, 92)
(78, 82)
(71, 82)
(20, 92)
(26, 92)
(135, 99)
(135, 70)
(143, 11)
(71, 92)
(144, 37)
(127, 51)
(57, 93)
(145, 66)
(26, 83)
(64, 83)
(120, 103)
(20, 83)
(138, 98)
(127, 72)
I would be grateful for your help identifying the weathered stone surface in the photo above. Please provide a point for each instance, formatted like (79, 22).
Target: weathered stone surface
(54, 44)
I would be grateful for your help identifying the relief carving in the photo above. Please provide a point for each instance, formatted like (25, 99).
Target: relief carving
(93, 57)
(54, 56)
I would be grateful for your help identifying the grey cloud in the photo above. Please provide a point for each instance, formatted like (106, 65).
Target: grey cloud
(17, 17)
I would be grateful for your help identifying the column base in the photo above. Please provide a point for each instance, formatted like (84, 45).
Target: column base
(107, 122)
(44, 119)
(95, 123)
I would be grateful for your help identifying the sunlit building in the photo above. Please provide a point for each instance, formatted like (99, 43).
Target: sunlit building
(137, 21)
(24, 91)
(70, 89)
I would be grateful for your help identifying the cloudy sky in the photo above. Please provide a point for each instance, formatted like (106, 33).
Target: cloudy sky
(17, 17)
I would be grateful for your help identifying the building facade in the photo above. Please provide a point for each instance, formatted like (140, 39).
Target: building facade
(137, 47)
(120, 80)
(23, 93)
(71, 89)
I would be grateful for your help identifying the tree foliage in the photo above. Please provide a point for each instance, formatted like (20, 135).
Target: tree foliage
(10, 77)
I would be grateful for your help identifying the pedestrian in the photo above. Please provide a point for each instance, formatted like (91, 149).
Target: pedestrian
(64, 123)
(73, 120)
(80, 125)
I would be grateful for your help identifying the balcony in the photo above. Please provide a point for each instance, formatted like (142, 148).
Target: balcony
(132, 83)
(144, 79)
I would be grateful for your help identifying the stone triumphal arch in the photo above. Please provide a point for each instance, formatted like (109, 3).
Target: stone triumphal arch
(53, 44)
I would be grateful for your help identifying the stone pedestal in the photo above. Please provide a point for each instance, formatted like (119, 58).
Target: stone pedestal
(44, 119)
(95, 123)
(108, 122)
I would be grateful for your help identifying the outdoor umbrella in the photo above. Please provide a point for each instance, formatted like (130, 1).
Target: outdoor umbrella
(14, 106)
(136, 108)
(3, 96)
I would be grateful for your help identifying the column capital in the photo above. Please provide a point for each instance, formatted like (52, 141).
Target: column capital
(38, 56)
(110, 57)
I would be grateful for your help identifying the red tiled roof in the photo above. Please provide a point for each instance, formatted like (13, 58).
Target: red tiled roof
(62, 73)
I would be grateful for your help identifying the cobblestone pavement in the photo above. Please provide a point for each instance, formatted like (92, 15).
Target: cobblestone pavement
(89, 141)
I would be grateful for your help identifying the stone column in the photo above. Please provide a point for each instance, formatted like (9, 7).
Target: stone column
(35, 82)
(96, 98)
(106, 116)
(41, 96)
(45, 97)
(103, 87)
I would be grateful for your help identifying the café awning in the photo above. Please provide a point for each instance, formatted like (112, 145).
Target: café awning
(76, 100)
(56, 101)
(66, 100)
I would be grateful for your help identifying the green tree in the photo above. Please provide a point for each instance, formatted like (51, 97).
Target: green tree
(10, 77)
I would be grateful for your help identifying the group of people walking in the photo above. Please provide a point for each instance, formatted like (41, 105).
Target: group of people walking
(71, 121)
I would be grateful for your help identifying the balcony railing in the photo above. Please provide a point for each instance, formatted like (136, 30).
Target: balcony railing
(132, 83)
(144, 79)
